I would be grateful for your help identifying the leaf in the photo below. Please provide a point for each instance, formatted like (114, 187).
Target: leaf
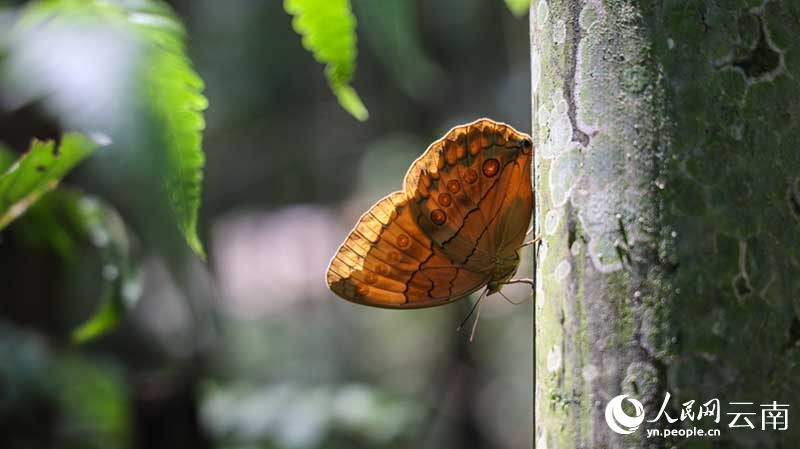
(38, 171)
(104, 319)
(148, 98)
(518, 7)
(328, 29)
(102, 226)
(350, 101)
(174, 96)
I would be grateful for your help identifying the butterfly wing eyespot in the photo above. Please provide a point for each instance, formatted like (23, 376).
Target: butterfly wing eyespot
(393, 257)
(402, 241)
(490, 167)
(454, 228)
(454, 185)
(438, 217)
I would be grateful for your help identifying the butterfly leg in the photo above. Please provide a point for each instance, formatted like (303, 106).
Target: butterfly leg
(531, 242)
(521, 281)
(517, 281)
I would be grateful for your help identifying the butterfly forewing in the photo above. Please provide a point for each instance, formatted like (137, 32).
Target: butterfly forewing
(471, 206)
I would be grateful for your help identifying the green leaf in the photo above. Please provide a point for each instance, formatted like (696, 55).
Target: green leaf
(104, 319)
(173, 91)
(350, 101)
(38, 171)
(328, 29)
(518, 7)
(102, 226)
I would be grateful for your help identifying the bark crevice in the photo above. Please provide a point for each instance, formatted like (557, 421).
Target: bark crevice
(573, 38)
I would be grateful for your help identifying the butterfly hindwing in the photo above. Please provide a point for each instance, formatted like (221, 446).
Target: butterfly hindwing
(387, 261)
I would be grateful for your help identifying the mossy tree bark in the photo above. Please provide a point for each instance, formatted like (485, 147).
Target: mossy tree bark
(667, 180)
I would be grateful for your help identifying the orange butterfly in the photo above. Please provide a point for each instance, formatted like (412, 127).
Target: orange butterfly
(456, 226)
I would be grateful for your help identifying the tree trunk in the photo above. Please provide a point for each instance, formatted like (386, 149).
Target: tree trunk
(667, 180)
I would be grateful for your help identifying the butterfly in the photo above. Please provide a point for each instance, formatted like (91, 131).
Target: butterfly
(457, 225)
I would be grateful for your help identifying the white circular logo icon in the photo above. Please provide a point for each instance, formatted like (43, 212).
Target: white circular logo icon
(618, 420)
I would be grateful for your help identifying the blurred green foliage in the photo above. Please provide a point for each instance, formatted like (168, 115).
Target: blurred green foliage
(165, 91)
(249, 351)
(65, 219)
(159, 83)
(50, 400)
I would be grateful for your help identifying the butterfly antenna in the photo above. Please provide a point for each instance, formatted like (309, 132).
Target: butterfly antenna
(471, 311)
(477, 317)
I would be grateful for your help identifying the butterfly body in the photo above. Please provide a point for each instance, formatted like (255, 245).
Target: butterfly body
(456, 226)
